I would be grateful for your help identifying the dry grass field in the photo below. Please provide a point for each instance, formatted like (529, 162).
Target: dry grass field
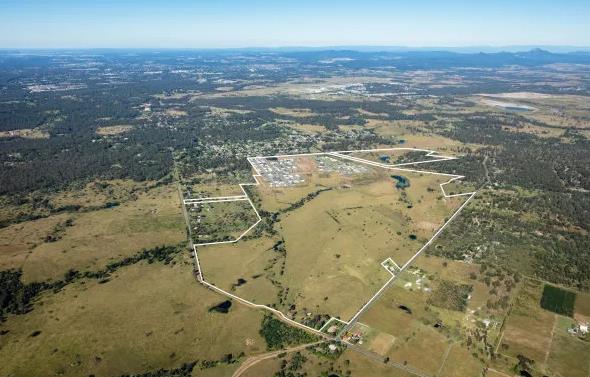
(528, 330)
(543, 336)
(351, 362)
(569, 356)
(220, 221)
(461, 363)
(222, 265)
(94, 238)
(582, 307)
(113, 130)
(208, 185)
(332, 245)
(413, 135)
(416, 342)
(392, 157)
(148, 316)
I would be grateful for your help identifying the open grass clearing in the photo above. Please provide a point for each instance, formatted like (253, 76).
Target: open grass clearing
(176, 113)
(306, 127)
(528, 329)
(325, 256)
(569, 356)
(403, 314)
(294, 112)
(460, 362)
(220, 221)
(113, 130)
(26, 133)
(99, 237)
(148, 316)
(349, 362)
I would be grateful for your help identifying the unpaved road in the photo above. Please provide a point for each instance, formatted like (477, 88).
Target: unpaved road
(251, 361)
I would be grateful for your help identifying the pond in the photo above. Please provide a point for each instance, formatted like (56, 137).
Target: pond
(402, 182)
(221, 308)
(518, 109)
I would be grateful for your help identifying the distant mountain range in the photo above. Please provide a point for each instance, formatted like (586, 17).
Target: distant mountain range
(352, 57)
(556, 49)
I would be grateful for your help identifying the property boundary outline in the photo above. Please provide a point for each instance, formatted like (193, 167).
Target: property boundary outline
(342, 155)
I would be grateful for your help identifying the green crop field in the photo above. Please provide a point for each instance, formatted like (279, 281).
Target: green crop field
(558, 300)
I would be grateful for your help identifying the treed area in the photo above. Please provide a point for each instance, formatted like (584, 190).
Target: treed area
(97, 147)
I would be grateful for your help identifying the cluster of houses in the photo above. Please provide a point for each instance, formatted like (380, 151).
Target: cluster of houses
(278, 172)
(327, 164)
(353, 337)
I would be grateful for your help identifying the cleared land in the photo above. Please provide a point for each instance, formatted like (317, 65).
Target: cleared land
(329, 235)
(349, 363)
(148, 316)
(48, 247)
(436, 313)
(403, 321)
(220, 221)
(113, 130)
(543, 336)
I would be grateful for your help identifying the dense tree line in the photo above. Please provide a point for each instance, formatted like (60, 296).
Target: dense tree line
(278, 335)
(185, 370)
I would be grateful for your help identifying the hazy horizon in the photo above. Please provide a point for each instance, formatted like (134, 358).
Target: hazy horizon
(555, 49)
(226, 24)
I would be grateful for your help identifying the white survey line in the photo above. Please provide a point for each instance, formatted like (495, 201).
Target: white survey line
(217, 201)
(438, 232)
(392, 261)
(390, 167)
(339, 154)
(405, 266)
(375, 296)
(330, 321)
(273, 310)
(199, 200)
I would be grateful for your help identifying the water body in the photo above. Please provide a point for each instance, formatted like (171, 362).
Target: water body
(222, 307)
(518, 109)
(402, 182)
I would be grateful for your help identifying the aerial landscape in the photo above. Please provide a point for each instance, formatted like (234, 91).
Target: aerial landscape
(301, 201)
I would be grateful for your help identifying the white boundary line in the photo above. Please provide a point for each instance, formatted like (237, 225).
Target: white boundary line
(340, 154)
(216, 200)
(201, 200)
(330, 321)
(405, 266)
(398, 268)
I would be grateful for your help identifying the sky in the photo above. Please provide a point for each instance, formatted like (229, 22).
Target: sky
(265, 23)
